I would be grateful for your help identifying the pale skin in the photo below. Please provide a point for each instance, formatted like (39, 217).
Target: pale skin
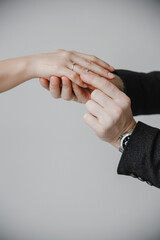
(109, 108)
(64, 88)
(109, 113)
(18, 70)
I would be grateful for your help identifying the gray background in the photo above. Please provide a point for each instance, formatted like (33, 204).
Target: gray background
(57, 179)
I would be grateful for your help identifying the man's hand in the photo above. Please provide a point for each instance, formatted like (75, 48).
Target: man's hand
(64, 88)
(109, 112)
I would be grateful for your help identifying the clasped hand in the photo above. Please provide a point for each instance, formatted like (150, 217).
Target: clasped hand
(109, 108)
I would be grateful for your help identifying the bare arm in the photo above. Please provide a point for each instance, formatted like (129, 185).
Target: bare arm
(14, 72)
(60, 63)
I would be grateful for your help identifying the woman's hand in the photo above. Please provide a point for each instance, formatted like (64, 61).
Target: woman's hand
(61, 63)
(69, 64)
(64, 88)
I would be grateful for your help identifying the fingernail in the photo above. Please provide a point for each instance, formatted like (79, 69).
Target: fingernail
(112, 68)
(110, 75)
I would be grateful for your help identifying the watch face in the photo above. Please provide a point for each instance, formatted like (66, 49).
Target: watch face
(125, 141)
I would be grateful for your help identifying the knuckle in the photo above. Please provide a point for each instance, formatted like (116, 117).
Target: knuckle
(72, 51)
(94, 58)
(89, 103)
(74, 76)
(127, 101)
(63, 52)
(105, 71)
(89, 64)
(95, 93)
(60, 50)
(106, 83)
(67, 54)
(119, 112)
(80, 69)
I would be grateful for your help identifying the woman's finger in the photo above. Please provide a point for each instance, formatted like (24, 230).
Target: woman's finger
(55, 88)
(92, 67)
(78, 69)
(66, 92)
(96, 60)
(44, 82)
(74, 77)
(80, 94)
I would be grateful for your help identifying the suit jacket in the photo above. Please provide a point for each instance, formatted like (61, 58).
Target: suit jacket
(141, 157)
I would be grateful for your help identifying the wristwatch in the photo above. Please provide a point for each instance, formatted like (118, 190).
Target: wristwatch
(124, 140)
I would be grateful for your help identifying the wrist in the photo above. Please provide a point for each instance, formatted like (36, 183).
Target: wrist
(30, 63)
(126, 133)
(125, 137)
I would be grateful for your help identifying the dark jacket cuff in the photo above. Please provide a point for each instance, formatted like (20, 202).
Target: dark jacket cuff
(141, 157)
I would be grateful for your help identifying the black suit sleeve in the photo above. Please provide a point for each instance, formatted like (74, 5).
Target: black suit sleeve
(141, 157)
(143, 90)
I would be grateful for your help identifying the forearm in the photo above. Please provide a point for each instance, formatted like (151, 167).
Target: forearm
(44, 65)
(143, 90)
(15, 71)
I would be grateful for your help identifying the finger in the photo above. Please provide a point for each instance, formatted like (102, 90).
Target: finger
(94, 108)
(103, 84)
(92, 67)
(66, 92)
(55, 89)
(80, 94)
(74, 77)
(96, 60)
(79, 69)
(111, 107)
(92, 122)
(44, 82)
(102, 99)
(59, 50)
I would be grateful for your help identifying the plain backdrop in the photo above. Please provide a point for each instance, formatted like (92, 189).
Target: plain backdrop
(57, 179)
